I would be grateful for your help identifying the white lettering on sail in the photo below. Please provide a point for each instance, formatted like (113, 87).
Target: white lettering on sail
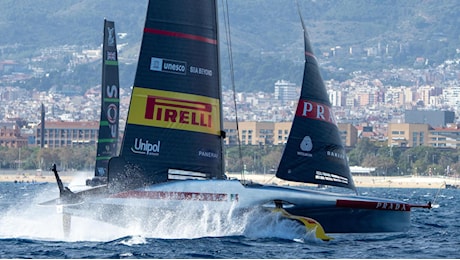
(201, 71)
(112, 110)
(320, 113)
(112, 91)
(174, 67)
(170, 66)
(145, 147)
(314, 110)
(207, 154)
(111, 36)
(336, 155)
(307, 108)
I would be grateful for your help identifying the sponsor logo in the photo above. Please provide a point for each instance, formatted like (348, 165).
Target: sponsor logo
(306, 145)
(111, 36)
(178, 111)
(208, 154)
(112, 113)
(338, 155)
(112, 109)
(101, 171)
(170, 66)
(316, 111)
(145, 147)
(379, 205)
(326, 176)
(174, 110)
(111, 55)
(391, 206)
(201, 71)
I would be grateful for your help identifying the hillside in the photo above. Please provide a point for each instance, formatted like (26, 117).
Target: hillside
(266, 34)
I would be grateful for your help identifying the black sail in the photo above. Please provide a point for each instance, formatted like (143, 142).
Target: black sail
(110, 103)
(314, 152)
(174, 119)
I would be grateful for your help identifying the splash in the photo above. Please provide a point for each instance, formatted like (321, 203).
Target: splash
(188, 223)
(29, 220)
(135, 240)
(26, 219)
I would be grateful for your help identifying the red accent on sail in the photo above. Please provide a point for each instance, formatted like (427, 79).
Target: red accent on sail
(180, 35)
(315, 110)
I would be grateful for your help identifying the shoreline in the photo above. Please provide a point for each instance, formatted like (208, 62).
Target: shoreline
(434, 182)
(31, 176)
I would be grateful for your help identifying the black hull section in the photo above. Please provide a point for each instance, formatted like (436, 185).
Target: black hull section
(333, 220)
(345, 220)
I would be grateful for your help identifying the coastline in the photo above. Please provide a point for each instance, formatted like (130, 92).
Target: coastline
(32, 176)
(434, 182)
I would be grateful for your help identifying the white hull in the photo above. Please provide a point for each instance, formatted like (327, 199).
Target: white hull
(337, 213)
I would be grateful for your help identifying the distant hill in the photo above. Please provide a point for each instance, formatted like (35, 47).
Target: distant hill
(266, 34)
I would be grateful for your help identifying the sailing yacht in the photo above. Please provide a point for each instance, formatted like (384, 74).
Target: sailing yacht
(172, 151)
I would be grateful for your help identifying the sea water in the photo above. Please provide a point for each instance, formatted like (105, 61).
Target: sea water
(31, 231)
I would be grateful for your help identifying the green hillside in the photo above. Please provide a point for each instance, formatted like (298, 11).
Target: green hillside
(267, 39)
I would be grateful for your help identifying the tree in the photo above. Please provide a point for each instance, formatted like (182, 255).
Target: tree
(272, 159)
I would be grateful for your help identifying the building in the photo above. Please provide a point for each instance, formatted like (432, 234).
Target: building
(433, 118)
(231, 136)
(275, 133)
(67, 134)
(445, 137)
(408, 135)
(348, 134)
(251, 133)
(10, 135)
(285, 92)
(281, 132)
(411, 135)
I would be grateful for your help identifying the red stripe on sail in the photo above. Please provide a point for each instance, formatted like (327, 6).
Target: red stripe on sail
(310, 54)
(180, 35)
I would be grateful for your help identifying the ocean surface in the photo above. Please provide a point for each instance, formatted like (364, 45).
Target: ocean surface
(28, 230)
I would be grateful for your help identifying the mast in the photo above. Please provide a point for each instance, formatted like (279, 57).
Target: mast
(42, 127)
(222, 132)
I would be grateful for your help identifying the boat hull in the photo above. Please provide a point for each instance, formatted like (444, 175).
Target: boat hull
(337, 213)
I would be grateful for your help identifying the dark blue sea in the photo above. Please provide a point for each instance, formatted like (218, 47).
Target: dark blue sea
(31, 231)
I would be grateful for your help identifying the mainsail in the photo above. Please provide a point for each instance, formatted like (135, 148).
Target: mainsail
(110, 103)
(174, 119)
(314, 152)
